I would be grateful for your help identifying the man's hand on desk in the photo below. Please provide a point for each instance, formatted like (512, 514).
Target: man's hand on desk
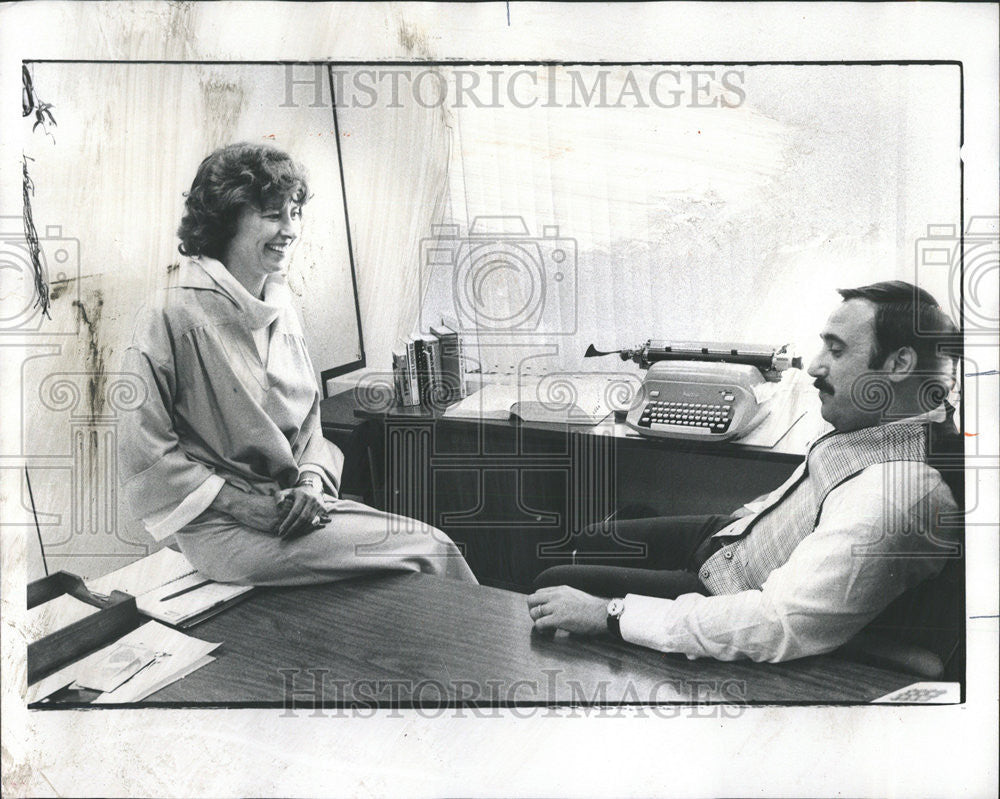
(565, 608)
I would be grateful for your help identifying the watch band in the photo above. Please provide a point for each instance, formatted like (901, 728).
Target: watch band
(616, 607)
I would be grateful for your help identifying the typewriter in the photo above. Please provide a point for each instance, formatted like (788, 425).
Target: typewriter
(702, 391)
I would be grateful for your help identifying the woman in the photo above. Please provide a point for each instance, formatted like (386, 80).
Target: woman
(226, 453)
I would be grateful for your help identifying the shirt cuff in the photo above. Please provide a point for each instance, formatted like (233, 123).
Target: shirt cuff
(644, 621)
(161, 525)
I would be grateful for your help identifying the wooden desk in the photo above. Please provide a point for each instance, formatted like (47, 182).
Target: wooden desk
(515, 496)
(402, 640)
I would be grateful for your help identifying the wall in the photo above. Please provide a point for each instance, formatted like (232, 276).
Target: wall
(730, 217)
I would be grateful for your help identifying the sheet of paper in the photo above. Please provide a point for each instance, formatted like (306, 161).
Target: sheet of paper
(54, 615)
(49, 685)
(176, 655)
(119, 662)
(152, 688)
(788, 402)
(144, 574)
(924, 693)
(198, 597)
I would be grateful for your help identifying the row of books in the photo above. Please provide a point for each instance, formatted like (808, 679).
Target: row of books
(429, 369)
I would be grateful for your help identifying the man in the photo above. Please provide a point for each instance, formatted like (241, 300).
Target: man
(800, 571)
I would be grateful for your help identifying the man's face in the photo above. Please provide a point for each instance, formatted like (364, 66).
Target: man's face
(848, 344)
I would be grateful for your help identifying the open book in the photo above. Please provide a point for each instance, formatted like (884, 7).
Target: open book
(167, 587)
(570, 398)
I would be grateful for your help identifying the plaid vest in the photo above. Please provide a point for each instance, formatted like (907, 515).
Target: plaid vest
(756, 545)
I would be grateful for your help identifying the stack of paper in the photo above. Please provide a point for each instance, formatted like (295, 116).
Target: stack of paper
(167, 587)
(132, 668)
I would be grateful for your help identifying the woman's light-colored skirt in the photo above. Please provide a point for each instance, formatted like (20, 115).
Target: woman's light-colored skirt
(358, 540)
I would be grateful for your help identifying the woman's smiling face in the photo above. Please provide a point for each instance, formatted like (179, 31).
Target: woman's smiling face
(264, 239)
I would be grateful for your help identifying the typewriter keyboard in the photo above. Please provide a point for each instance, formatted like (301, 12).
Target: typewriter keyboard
(705, 418)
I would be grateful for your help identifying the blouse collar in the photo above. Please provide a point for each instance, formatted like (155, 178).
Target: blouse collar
(258, 312)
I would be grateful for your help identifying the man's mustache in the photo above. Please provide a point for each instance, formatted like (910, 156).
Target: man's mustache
(822, 385)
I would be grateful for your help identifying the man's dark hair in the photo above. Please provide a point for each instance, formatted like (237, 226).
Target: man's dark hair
(907, 316)
(239, 175)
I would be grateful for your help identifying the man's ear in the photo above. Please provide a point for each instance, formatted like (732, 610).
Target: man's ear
(901, 364)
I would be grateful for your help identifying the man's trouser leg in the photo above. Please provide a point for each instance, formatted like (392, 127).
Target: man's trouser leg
(668, 569)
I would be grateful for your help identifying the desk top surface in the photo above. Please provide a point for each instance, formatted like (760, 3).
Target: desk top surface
(410, 639)
(338, 410)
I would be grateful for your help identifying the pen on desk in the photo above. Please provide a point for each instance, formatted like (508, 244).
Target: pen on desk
(187, 590)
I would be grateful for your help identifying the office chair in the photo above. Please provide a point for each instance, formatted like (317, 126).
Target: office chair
(922, 633)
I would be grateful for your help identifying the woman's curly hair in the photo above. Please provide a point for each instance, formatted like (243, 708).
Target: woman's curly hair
(255, 175)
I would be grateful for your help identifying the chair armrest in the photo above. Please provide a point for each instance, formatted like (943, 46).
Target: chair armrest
(889, 653)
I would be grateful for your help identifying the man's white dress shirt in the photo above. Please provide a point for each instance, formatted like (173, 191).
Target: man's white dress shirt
(876, 537)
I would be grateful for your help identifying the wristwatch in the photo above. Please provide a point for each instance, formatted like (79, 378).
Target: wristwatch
(616, 607)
